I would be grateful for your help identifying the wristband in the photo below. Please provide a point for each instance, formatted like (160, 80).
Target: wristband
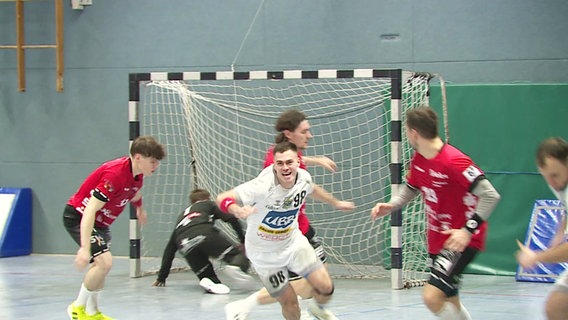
(226, 203)
(137, 203)
(473, 223)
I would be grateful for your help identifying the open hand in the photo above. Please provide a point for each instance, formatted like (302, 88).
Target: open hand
(380, 210)
(526, 257)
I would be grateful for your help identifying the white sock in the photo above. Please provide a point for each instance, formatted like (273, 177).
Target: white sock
(448, 312)
(93, 303)
(83, 297)
(251, 301)
(464, 314)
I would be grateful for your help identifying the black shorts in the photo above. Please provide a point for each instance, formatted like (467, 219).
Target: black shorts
(100, 237)
(447, 267)
(316, 243)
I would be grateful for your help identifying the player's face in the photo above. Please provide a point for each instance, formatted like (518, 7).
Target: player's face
(301, 136)
(286, 167)
(555, 173)
(146, 165)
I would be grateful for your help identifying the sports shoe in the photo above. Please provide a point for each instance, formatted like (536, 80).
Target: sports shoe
(238, 278)
(76, 312)
(464, 314)
(212, 287)
(321, 313)
(235, 311)
(305, 315)
(98, 316)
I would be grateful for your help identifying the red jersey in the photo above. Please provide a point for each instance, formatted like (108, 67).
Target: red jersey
(303, 221)
(445, 182)
(114, 183)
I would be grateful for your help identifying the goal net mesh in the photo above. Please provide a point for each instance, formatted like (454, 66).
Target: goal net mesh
(217, 132)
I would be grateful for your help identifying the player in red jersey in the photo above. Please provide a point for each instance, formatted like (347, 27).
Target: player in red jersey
(93, 208)
(458, 200)
(292, 125)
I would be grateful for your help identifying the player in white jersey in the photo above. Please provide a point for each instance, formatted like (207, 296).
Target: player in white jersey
(274, 244)
(552, 162)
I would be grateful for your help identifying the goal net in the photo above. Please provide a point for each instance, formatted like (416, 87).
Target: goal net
(217, 127)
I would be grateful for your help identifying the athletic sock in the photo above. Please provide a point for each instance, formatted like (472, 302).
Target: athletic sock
(448, 312)
(251, 301)
(93, 303)
(83, 297)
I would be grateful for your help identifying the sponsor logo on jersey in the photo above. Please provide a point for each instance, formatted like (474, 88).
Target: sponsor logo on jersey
(108, 186)
(280, 220)
(471, 173)
(437, 174)
(419, 169)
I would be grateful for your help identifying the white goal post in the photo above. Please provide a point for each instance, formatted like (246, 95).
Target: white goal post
(217, 126)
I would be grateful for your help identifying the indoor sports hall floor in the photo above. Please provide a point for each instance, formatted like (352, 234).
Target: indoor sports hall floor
(41, 287)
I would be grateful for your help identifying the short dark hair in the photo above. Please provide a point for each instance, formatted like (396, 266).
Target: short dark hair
(424, 120)
(554, 147)
(199, 195)
(148, 147)
(288, 120)
(284, 146)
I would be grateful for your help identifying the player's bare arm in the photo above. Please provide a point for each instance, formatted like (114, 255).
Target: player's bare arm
(228, 202)
(322, 195)
(321, 161)
(559, 236)
(528, 258)
(87, 224)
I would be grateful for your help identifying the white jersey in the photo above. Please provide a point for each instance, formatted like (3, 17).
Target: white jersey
(563, 197)
(275, 222)
(561, 283)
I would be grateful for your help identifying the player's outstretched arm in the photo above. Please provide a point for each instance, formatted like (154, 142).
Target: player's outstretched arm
(167, 259)
(320, 194)
(87, 223)
(227, 202)
(321, 161)
(405, 195)
(528, 258)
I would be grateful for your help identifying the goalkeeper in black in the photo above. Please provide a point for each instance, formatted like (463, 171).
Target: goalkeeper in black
(197, 239)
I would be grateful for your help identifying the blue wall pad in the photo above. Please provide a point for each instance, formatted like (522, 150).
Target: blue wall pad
(15, 221)
(546, 216)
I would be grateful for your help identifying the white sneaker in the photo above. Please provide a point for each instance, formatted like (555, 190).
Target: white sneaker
(321, 313)
(238, 279)
(305, 315)
(236, 311)
(212, 287)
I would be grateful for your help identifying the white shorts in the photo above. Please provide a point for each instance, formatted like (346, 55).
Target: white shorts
(272, 267)
(561, 283)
